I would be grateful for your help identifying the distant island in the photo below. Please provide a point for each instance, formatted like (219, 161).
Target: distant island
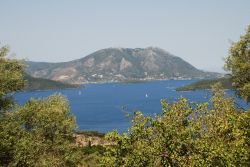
(45, 84)
(119, 65)
(207, 84)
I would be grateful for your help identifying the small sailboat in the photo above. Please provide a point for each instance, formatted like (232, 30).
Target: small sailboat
(146, 95)
(80, 93)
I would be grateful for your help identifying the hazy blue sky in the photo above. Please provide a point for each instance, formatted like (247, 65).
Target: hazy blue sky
(199, 31)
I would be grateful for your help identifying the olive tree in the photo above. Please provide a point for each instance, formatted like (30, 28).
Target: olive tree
(184, 134)
(40, 133)
(46, 138)
(238, 63)
(11, 78)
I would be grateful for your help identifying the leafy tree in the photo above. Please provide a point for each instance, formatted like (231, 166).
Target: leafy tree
(184, 134)
(50, 127)
(238, 63)
(11, 78)
(11, 74)
(40, 133)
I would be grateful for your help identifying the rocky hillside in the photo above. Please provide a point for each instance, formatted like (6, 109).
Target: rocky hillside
(119, 64)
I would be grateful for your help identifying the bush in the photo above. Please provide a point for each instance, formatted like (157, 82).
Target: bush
(184, 134)
(39, 134)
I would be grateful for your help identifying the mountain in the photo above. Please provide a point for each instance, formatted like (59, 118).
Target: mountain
(45, 84)
(119, 64)
(207, 84)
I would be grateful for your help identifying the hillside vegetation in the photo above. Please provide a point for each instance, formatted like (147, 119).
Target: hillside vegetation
(207, 84)
(45, 84)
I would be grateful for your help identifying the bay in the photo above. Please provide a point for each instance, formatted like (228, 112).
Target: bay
(103, 107)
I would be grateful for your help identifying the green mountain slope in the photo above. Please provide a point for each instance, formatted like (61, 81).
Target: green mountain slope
(119, 64)
(206, 84)
(45, 84)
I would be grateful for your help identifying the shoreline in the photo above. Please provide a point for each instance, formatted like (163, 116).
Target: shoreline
(81, 85)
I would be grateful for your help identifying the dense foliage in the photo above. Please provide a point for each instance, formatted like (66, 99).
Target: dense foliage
(40, 133)
(11, 78)
(238, 63)
(185, 134)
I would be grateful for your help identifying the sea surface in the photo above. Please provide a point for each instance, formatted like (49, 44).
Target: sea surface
(104, 107)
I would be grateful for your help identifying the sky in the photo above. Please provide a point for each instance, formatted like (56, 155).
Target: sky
(198, 31)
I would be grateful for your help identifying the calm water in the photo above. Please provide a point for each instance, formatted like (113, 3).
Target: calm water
(102, 107)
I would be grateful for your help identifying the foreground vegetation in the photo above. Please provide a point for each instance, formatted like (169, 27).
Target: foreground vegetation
(42, 132)
(190, 134)
(207, 84)
(185, 134)
(238, 63)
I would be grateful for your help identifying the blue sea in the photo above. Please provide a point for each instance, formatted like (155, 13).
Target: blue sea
(104, 107)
